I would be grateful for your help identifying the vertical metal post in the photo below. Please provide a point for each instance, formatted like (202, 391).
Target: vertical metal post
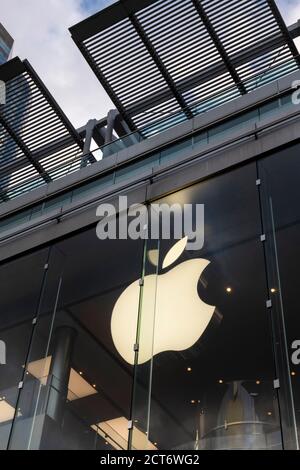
(59, 374)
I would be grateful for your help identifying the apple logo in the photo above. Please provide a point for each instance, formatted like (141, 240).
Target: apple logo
(172, 316)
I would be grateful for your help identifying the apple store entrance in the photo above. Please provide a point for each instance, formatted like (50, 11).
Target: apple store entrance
(182, 344)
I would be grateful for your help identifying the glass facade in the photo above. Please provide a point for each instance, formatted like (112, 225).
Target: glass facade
(200, 352)
(6, 44)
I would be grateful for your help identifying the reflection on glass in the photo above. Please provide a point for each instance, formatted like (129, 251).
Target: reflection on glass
(280, 190)
(77, 387)
(210, 375)
(19, 298)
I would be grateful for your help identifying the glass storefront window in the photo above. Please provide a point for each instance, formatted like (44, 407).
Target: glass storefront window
(77, 389)
(279, 174)
(20, 290)
(181, 343)
(212, 369)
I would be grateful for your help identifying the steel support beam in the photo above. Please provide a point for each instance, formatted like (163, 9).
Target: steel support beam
(209, 73)
(159, 63)
(219, 46)
(113, 96)
(294, 30)
(284, 30)
(53, 104)
(22, 146)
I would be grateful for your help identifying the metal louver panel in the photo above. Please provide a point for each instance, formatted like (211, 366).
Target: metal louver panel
(157, 58)
(37, 141)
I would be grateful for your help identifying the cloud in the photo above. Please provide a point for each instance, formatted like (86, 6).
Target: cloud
(290, 10)
(40, 30)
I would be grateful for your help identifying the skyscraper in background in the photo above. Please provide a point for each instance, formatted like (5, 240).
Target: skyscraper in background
(6, 44)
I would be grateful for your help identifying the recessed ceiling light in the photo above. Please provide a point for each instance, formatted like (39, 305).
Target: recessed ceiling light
(221, 381)
(228, 290)
(257, 382)
(7, 412)
(115, 432)
(273, 290)
(78, 387)
(269, 413)
(293, 373)
(193, 402)
(80, 373)
(189, 369)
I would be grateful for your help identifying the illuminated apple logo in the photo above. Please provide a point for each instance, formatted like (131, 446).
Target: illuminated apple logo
(172, 316)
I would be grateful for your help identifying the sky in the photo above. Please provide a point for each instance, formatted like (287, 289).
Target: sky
(40, 30)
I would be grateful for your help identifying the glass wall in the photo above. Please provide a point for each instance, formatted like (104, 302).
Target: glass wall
(280, 193)
(77, 388)
(209, 363)
(150, 344)
(21, 284)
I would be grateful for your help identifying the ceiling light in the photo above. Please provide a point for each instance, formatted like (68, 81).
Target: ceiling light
(189, 369)
(7, 412)
(269, 413)
(78, 387)
(257, 382)
(273, 290)
(293, 374)
(193, 402)
(221, 381)
(115, 431)
(228, 290)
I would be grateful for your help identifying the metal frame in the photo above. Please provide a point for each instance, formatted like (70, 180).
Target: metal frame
(38, 142)
(137, 50)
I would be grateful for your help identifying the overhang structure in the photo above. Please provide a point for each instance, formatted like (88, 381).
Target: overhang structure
(38, 144)
(164, 61)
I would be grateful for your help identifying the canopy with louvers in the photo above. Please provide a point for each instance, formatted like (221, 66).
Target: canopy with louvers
(38, 144)
(162, 58)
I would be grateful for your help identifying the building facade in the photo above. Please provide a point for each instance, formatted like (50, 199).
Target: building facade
(6, 44)
(136, 344)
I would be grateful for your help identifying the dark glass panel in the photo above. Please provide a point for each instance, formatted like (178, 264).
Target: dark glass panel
(20, 290)
(280, 190)
(77, 392)
(212, 387)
